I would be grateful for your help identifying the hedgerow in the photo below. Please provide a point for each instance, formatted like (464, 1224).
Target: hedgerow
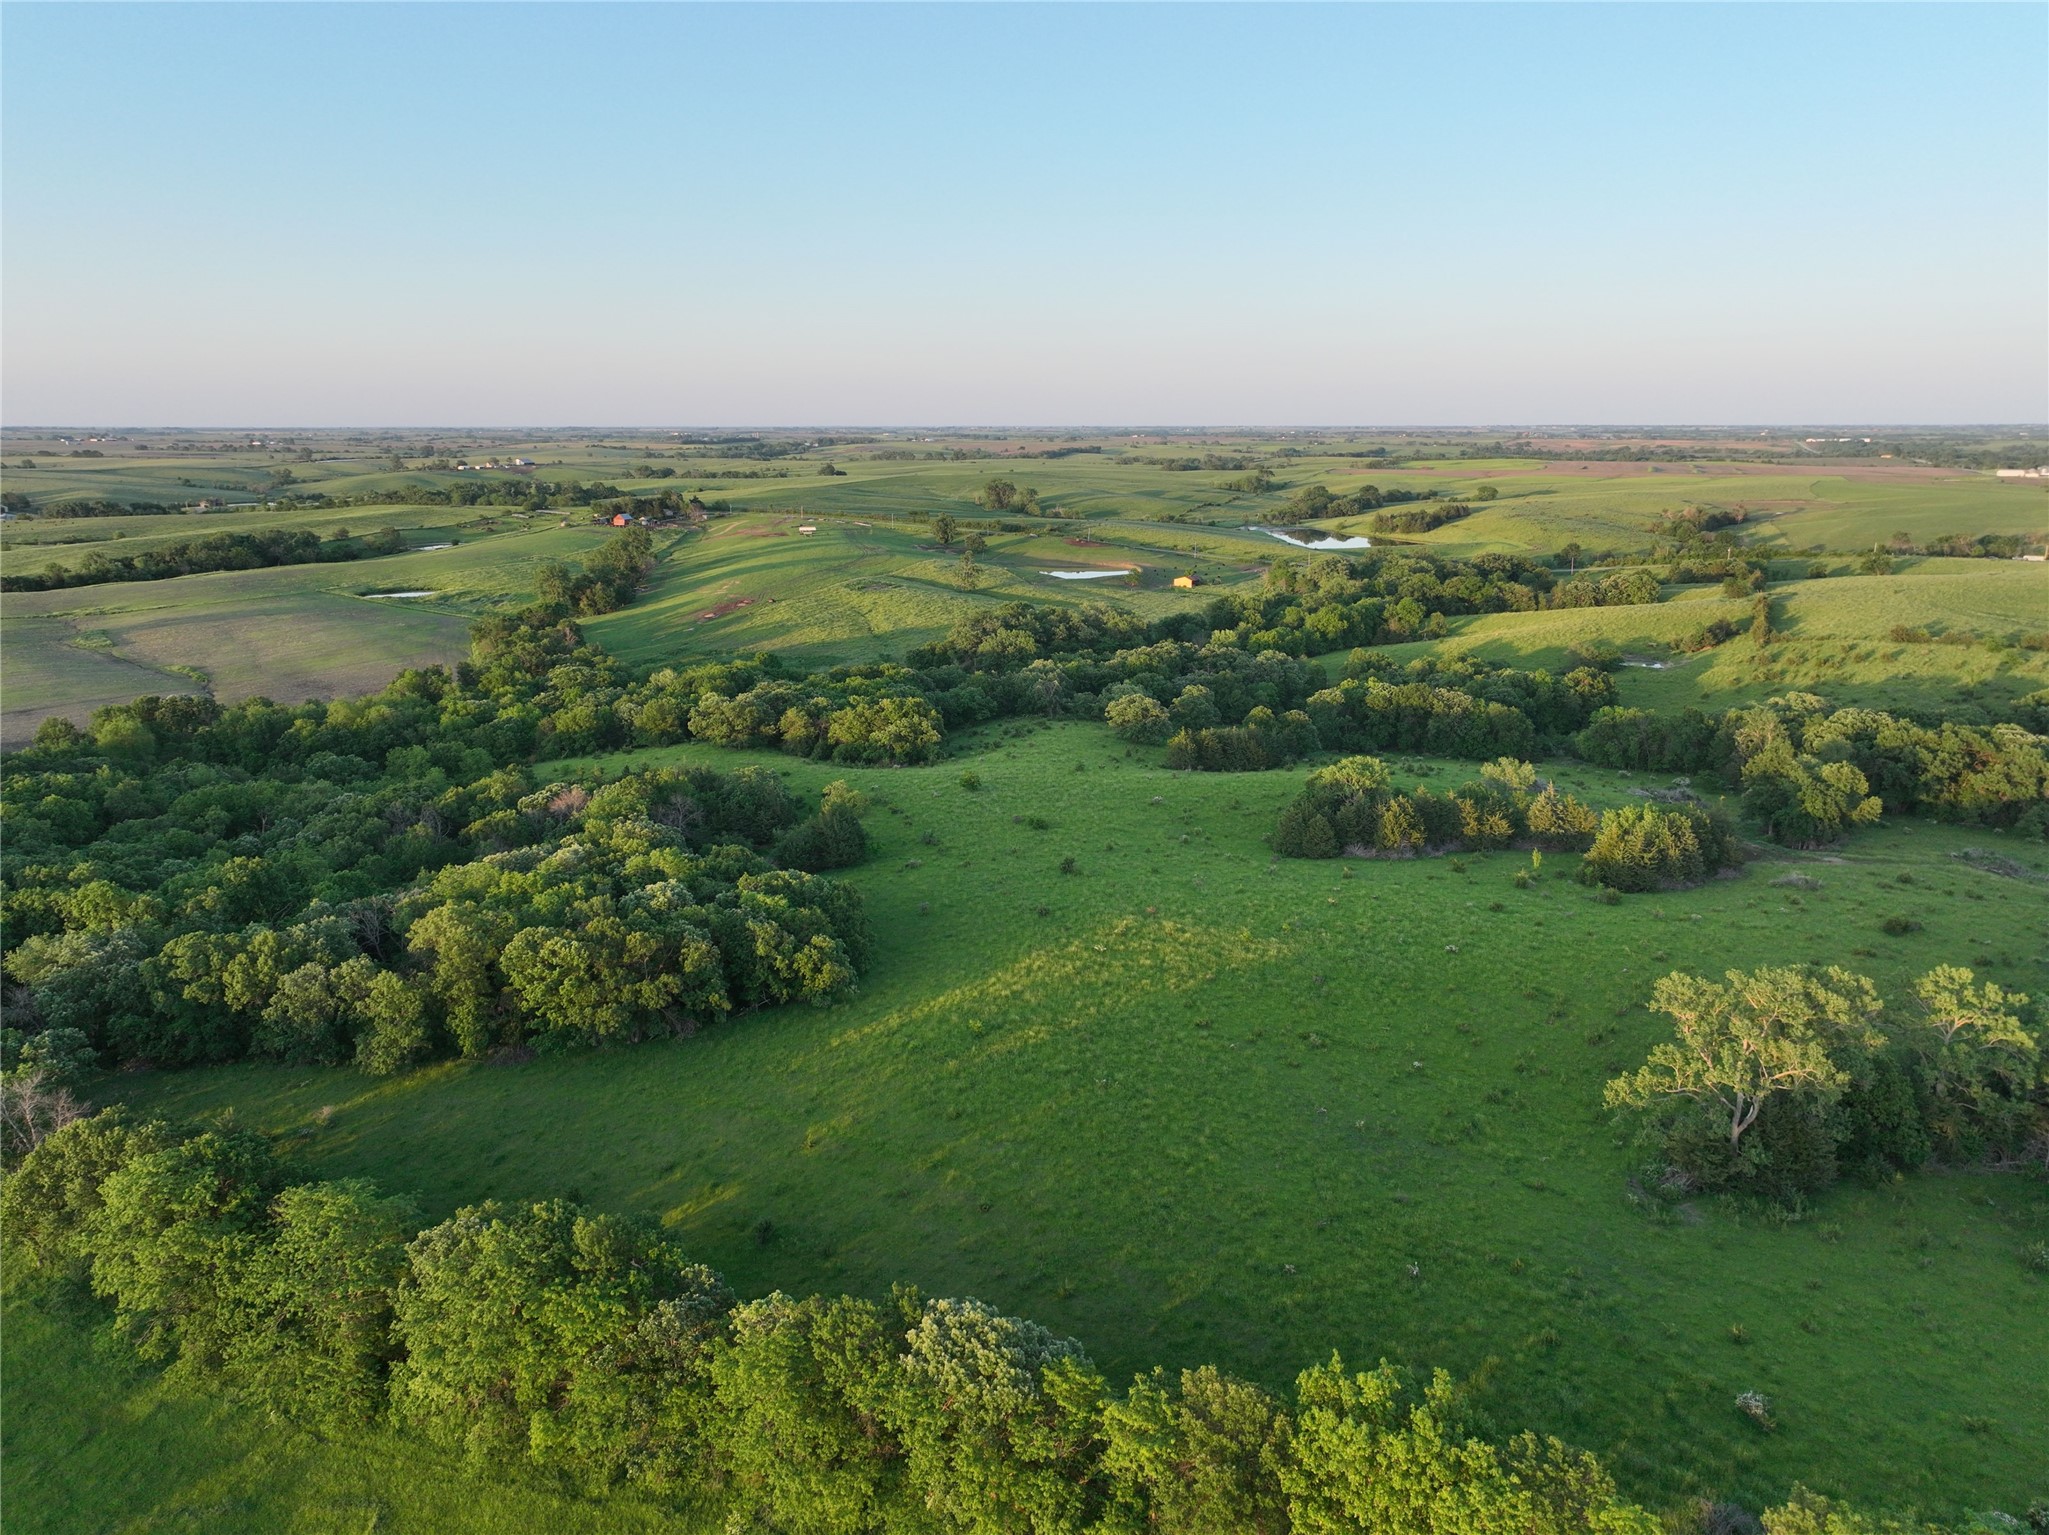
(563, 1340)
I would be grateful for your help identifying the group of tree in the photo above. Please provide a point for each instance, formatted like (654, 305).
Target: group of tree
(1775, 1079)
(1810, 773)
(1617, 589)
(557, 1340)
(605, 582)
(1005, 496)
(194, 915)
(1455, 707)
(1315, 502)
(1215, 462)
(1377, 596)
(1353, 807)
(214, 551)
(1420, 519)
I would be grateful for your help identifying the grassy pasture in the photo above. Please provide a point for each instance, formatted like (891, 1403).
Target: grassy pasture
(288, 632)
(851, 592)
(1543, 503)
(1211, 1107)
(1542, 508)
(1834, 639)
(51, 666)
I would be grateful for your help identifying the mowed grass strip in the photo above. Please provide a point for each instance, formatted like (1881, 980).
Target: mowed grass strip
(1188, 1103)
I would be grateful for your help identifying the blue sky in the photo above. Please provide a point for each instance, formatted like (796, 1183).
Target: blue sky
(856, 214)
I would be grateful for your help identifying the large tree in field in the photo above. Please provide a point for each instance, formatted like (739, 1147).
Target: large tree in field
(1739, 1044)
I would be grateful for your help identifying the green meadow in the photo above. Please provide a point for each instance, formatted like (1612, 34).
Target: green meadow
(288, 632)
(872, 581)
(860, 589)
(1831, 636)
(1190, 1103)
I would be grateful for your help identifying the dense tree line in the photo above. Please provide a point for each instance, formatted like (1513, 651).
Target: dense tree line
(1809, 773)
(561, 1340)
(197, 914)
(527, 493)
(1776, 1079)
(22, 504)
(214, 551)
(1965, 546)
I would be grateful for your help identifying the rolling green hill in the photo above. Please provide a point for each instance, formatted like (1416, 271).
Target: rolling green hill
(1190, 1104)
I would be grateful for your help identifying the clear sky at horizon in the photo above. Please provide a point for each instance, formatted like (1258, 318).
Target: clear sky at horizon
(1023, 214)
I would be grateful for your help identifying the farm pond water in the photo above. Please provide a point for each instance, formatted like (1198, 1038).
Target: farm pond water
(1328, 541)
(1082, 575)
(402, 594)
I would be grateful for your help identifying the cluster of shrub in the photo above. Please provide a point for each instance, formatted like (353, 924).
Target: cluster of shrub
(1694, 523)
(1719, 631)
(1809, 773)
(194, 914)
(556, 1340)
(1353, 807)
(1776, 1079)
(214, 551)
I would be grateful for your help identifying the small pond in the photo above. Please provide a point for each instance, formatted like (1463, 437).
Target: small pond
(1315, 540)
(1082, 575)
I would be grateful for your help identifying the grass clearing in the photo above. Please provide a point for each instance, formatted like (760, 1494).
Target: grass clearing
(1210, 1107)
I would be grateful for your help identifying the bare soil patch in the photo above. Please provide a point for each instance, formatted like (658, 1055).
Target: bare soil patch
(729, 606)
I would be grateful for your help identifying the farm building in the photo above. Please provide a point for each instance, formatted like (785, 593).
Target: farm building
(1184, 581)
